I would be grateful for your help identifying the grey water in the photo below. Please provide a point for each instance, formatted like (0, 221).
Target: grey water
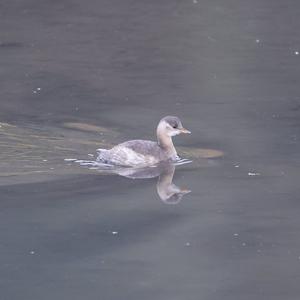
(81, 75)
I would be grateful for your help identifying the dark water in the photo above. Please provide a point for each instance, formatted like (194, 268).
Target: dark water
(229, 69)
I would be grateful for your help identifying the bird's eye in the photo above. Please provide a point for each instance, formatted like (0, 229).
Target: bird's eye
(175, 126)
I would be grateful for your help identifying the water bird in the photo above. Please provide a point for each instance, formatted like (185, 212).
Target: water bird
(140, 153)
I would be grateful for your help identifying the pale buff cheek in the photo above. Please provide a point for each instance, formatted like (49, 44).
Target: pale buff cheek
(170, 130)
(173, 132)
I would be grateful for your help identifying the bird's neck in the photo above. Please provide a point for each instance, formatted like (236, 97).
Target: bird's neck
(166, 177)
(166, 143)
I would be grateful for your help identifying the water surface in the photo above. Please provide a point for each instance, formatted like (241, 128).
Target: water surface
(77, 76)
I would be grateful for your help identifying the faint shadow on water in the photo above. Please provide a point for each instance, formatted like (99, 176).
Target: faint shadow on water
(168, 192)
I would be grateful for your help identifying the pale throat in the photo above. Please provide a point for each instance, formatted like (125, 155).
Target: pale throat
(165, 141)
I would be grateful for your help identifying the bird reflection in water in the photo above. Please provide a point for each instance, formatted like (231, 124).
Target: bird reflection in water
(167, 191)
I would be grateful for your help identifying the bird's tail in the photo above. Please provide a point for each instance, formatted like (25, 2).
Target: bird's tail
(101, 155)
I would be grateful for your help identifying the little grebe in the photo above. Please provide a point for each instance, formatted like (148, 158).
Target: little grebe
(137, 153)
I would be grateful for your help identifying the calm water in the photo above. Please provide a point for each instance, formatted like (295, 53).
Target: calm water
(79, 75)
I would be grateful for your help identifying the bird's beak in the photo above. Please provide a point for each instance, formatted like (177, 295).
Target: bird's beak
(183, 130)
(184, 191)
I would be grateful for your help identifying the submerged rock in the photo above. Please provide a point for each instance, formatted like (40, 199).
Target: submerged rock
(199, 152)
(89, 127)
